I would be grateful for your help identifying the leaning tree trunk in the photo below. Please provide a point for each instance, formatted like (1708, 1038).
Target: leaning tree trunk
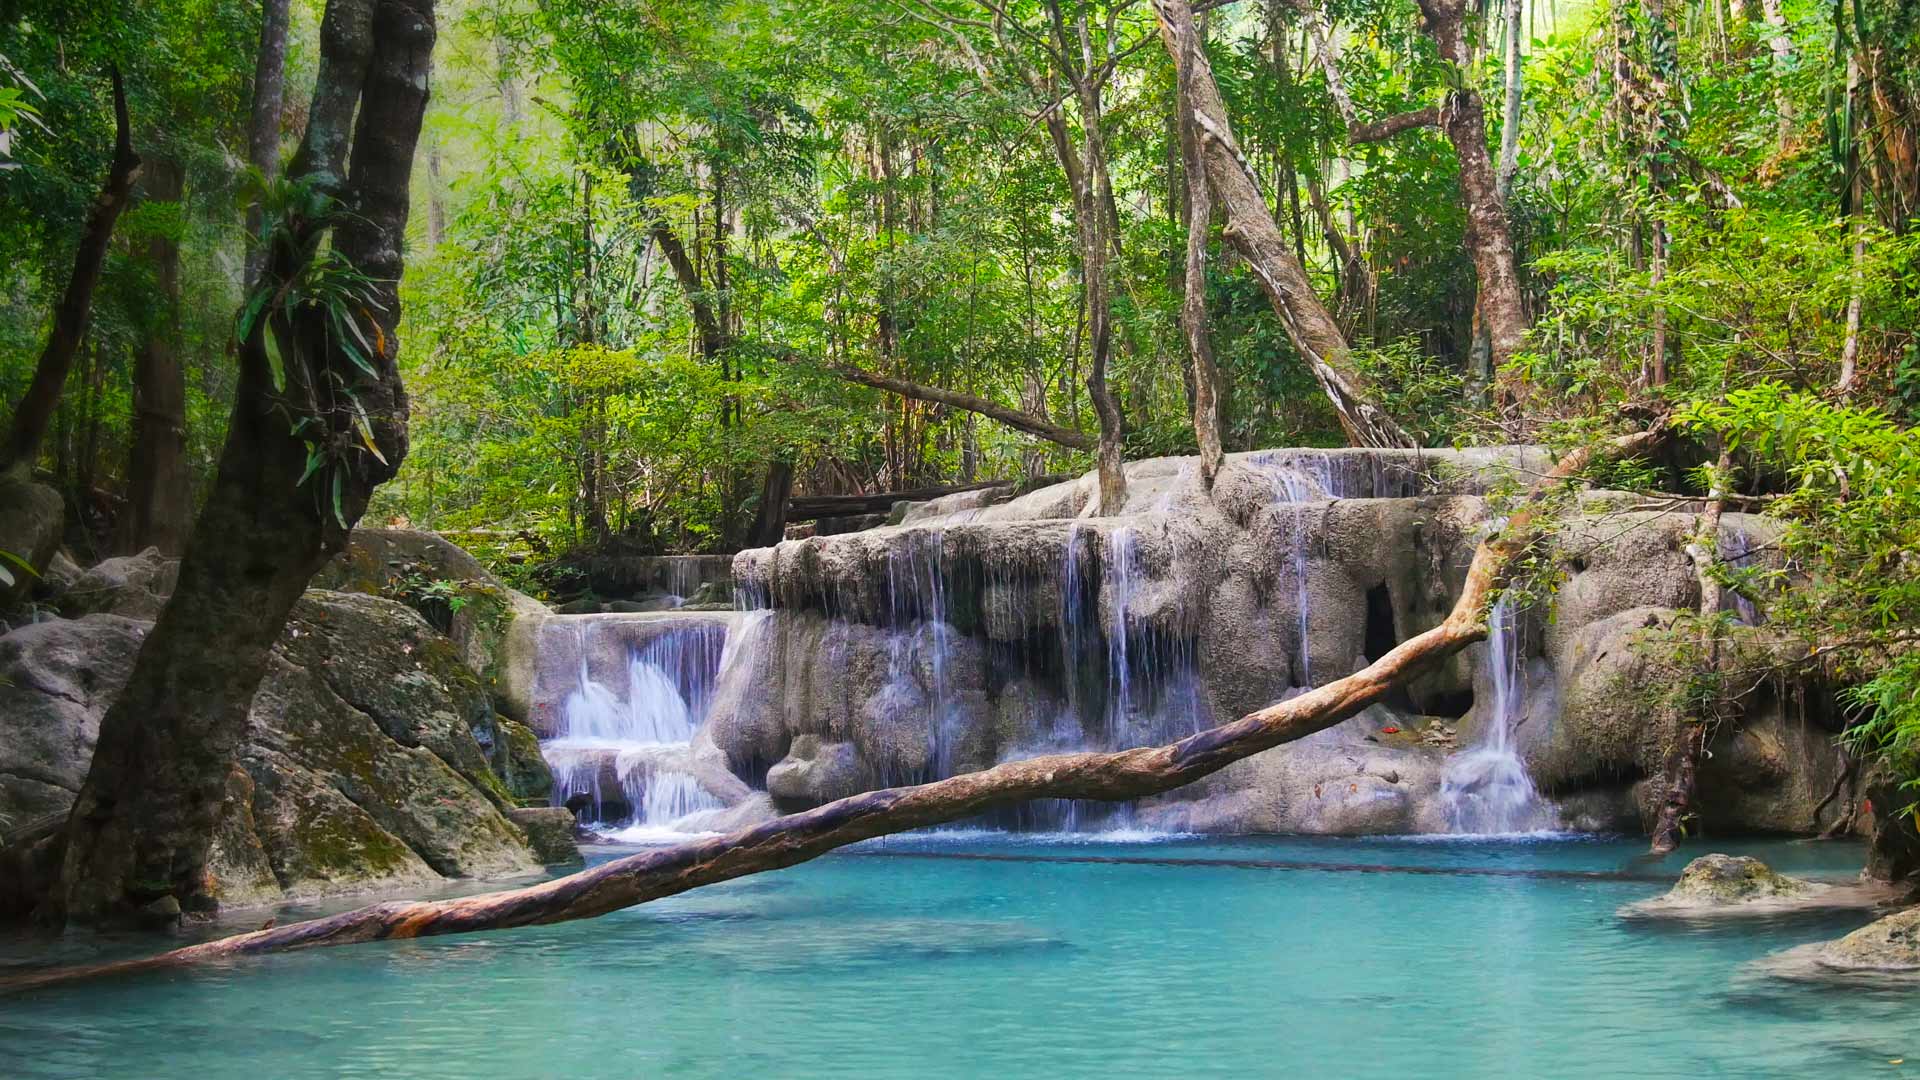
(137, 842)
(159, 490)
(1252, 230)
(1072, 438)
(1127, 774)
(75, 311)
(1498, 306)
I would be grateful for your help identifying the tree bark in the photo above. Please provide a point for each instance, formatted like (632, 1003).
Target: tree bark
(1381, 130)
(1510, 115)
(1498, 305)
(1252, 230)
(770, 520)
(159, 489)
(1193, 306)
(1127, 774)
(1682, 767)
(263, 122)
(1013, 418)
(138, 839)
(75, 311)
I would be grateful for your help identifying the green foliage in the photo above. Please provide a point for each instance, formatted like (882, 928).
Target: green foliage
(1850, 592)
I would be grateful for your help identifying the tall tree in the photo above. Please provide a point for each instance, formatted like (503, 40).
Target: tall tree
(319, 421)
(1252, 230)
(159, 488)
(70, 318)
(263, 119)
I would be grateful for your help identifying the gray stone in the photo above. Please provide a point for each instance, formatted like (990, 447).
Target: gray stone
(31, 516)
(1890, 945)
(815, 772)
(361, 768)
(1734, 879)
(550, 830)
(136, 586)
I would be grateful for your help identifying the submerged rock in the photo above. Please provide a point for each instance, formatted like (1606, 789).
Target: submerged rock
(1889, 945)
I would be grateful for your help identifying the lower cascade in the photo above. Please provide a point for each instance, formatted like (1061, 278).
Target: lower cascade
(1486, 789)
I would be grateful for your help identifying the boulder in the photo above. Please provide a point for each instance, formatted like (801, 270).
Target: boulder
(1720, 880)
(136, 586)
(460, 597)
(550, 829)
(815, 772)
(1890, 945)
(361, 768)
(31, 516)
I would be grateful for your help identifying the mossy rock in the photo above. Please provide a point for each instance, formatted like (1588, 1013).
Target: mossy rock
(1892, 944)
(1734, 879)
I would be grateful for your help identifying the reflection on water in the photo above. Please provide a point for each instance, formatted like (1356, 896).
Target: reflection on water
(942, 955)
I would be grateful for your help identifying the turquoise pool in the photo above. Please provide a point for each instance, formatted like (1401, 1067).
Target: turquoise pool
(983, 955)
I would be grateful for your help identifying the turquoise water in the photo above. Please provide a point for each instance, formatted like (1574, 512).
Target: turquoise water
(985, 956)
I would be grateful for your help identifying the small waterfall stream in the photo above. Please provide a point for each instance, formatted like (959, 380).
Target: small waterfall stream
(635, 737)
(1486, 789)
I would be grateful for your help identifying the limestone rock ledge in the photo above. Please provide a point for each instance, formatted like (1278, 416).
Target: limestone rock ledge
(364, 767)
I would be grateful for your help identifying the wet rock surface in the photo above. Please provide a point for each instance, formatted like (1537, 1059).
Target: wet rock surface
(1890, 945)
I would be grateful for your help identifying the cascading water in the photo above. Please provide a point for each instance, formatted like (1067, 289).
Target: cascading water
(1486, 789)
(1304, 478)
(669, 684)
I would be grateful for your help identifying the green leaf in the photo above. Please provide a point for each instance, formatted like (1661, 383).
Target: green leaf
(315, 459)
(339, 493)
(251, 312)
(365, 427)
(275, 365)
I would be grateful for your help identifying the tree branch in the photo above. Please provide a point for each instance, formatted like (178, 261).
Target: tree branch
(1380, 130)
(1013, 418)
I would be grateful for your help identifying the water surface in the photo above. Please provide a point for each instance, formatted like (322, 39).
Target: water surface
(983, 955)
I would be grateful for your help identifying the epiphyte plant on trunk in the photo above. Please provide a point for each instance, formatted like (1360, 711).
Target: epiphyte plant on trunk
(323, 291)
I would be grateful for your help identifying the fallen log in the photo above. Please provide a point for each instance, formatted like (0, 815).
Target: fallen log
(1121, 775)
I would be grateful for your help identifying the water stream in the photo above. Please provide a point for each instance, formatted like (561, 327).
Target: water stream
(1486, 789)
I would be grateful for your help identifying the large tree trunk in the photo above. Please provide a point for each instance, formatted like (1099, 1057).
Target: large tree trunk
(1252, 230)
(263, 121)
(1127, 774)
(75, 311)
(137, 842)
(1193, 306)
(159, 489)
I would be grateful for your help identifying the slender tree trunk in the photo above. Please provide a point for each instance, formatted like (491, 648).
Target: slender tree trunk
(1510, 116)
(1251, 229)
(138, 839)
(1781, 43)
(1126, 774)
(75, 310)
(1193, 307)
(1856, 221)
(1500, 310)
(159, 490)
(263, 123)
(1682, 767)
(1660, 140)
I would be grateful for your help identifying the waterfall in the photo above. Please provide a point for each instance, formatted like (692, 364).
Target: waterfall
(634, 738)
(1486, 789)
(1304, 478)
